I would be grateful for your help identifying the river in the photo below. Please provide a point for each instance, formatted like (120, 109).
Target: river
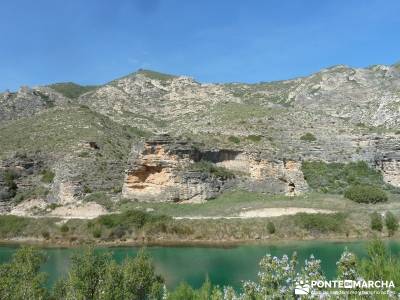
(224, 266)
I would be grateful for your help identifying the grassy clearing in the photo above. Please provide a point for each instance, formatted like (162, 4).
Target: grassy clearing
(234, 202)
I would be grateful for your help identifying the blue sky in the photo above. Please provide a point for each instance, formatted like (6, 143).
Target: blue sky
(95, 41)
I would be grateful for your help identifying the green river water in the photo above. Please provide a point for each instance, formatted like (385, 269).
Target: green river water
(224, 266)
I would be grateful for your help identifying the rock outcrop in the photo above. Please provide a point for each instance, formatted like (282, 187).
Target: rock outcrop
(161, 169)
(387, 160)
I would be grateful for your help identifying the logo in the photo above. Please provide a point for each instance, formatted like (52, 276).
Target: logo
(302, 288)
(342, 287)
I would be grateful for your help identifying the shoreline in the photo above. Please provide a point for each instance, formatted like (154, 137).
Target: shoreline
(180, 243)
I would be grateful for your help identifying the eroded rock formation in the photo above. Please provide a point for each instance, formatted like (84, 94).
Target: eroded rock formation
(387, 160)
(160, 169)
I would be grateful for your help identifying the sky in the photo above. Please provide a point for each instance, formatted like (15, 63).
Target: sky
(96, 41)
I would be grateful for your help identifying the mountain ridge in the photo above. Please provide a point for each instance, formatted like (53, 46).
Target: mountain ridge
(87, 134)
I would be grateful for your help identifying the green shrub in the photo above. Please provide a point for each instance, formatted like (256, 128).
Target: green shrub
(36, 192)
(83, 154)
(45, 234)
(53, 206)
(366, 194)
(64, 228)
(117, 189)
(337, 177)
(254, 138)
(320, 222)
(118, 232)
(9, 177)
(308, 137)
(96, 232)
(100, 198)
(47, 176)
(392, 223)
(271, 227)
(376, 221)
(210, 168)
(234, 139)
(131, 218)
(87, 189)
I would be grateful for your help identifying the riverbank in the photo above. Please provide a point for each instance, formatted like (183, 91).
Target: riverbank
(165, 231)
(237, 218)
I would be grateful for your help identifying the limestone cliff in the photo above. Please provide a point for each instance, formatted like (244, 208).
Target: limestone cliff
(161, 169)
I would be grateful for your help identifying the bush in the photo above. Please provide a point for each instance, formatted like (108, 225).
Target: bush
(320, 222)
(392, 224)
(271, 227)
(254, 138)
(96, 232)
(64, 228)
(53, 206)
(9, 177)
(47, 176)
(118, 232)
(376, 221)
(366, 194)
(45, 234)
(131, 218)
(234, 139)
(308, 137)
(210, 168)
(101, 198)
(336, 177)
(87, 189)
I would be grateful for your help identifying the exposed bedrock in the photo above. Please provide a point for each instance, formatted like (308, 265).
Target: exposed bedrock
(161, 169)
(387, 160)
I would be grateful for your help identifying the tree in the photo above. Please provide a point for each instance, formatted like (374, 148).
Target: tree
(347, 266)
(380, 265)
(271, 227)
(112, 283)
(376, 221)
(87, 270)
(139, 278)
(21, 279)
(392, 224)
(95, 276)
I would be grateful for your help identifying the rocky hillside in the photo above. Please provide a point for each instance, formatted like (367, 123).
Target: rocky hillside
(68, 144)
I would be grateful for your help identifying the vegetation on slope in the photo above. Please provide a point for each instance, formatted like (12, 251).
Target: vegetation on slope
(337, 177)
(155, 75)
(72, 90)
(58, 130)
(321, 222)
(366, 194)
